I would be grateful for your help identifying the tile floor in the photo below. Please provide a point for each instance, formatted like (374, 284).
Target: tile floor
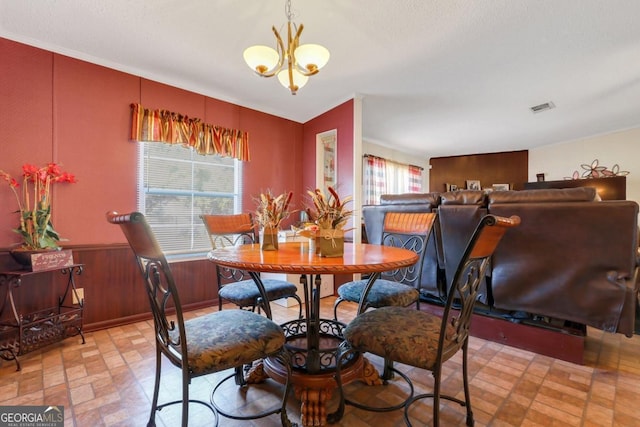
(108, 380)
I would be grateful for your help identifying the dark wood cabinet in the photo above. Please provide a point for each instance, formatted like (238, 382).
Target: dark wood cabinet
(611, 188)
(510, 168)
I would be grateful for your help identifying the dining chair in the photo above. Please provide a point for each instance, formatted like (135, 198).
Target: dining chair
(205, 344)
(423, 339)
(399, 287)
(236, 286)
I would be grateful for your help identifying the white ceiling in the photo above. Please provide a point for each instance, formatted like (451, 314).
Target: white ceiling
(437, 77)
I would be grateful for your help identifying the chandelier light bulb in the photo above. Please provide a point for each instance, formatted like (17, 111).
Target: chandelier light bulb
(299, 79)
(311, 57)
(261, 58)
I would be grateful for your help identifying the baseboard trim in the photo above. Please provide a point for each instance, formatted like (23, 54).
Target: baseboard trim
(564, 344)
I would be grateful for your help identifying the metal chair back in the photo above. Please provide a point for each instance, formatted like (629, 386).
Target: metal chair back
(160, 287)
(408, 230)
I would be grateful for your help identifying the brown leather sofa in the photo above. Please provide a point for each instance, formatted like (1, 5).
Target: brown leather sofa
(573, 258)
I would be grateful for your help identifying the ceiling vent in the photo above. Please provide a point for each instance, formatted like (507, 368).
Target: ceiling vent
(542, 107)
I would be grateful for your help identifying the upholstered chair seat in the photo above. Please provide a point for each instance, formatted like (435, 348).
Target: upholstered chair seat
(406, 336)
(245, 293)
(238, 338)
(383, 293)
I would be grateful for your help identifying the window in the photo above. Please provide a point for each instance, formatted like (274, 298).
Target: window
(381, 176)
(176, 185)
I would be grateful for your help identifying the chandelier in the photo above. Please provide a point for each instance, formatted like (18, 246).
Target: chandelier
(302, 61)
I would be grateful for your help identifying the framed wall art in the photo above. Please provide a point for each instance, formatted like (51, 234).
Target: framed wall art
(326, 159)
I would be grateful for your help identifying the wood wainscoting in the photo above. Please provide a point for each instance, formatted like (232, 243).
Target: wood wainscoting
(113, 287)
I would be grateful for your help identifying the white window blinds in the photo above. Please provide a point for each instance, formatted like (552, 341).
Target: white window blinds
(177, 185)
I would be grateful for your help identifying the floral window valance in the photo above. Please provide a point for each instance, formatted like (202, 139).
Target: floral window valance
(173, 128)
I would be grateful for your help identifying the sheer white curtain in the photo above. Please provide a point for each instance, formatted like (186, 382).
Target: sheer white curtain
(381, 176)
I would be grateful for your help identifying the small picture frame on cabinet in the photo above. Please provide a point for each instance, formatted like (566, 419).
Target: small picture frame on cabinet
(500, 187)
(451, 187)
(473, 184)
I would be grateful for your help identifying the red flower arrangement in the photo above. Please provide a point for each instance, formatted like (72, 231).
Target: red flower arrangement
(34, 204)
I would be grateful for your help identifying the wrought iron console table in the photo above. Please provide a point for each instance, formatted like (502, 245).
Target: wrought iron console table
(21, 333)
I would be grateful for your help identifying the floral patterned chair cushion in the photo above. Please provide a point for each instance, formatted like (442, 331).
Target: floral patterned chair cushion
(383, 293)
(245, 293)
(404, 335)
(239, 337)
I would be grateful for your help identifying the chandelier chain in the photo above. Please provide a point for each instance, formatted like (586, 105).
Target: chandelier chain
(288, 12)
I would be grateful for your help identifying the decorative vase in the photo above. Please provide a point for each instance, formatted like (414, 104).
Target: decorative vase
(330, 242)
(269, 238)
(23, 256)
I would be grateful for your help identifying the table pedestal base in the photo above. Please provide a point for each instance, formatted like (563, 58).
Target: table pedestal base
(315, 390)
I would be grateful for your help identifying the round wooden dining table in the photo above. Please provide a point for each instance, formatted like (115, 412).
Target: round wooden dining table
(312, 341)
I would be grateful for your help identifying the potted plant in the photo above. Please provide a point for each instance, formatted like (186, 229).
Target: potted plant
(270, 212)
(34, 206)
(330, 214)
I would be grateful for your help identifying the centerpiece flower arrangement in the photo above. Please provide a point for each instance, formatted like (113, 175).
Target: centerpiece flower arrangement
(270, 212)
(34, 204)
(329, 215)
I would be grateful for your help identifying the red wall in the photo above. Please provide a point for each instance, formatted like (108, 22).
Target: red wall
(55, 108)
(26, 92)
(341, 119)
(91, 116)
(276, 158)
